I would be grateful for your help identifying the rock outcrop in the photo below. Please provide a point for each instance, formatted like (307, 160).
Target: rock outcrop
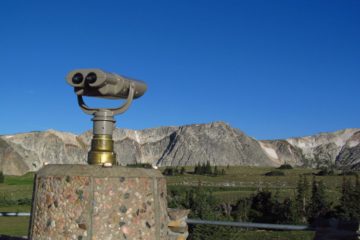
(216, 142)
(349, 155)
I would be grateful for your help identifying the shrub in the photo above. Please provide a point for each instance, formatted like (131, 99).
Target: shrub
(275, 173)
(139, 165)
(285, 166)
(15, 202)
(24, 201)
(325, 172)
(2, 177)
(168, 171)
(171, 171)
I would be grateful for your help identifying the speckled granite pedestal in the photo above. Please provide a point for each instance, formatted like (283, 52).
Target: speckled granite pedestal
(91, 202)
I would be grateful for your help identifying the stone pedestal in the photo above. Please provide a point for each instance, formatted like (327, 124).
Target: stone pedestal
(91, 202)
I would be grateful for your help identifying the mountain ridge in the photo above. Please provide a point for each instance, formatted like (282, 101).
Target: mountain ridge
(189, 144)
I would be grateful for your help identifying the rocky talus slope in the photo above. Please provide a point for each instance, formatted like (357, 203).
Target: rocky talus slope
(185, 145)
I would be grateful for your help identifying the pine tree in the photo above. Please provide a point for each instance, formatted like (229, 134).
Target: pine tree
(356, 197)
(216, 171)
(2, 177)
(357, 186)
(282, 212)
(197, 168)
(346, 189)
(201, 203)
(241, 210)
(208, 168)
(318, 206)
(169, 171)
(349, 202)
(203, 168)
(302, 198)
(261, 209)
(306, 186)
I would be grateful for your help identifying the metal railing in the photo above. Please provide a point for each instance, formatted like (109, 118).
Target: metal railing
(251, 225)
(206, 222)
(15, 214)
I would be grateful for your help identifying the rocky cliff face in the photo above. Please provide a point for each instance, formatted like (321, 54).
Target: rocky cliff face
(325, 148)
(25, 152)
(186, 145)
(350, 152)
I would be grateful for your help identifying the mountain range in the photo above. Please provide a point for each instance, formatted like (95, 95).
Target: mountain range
(216, 142)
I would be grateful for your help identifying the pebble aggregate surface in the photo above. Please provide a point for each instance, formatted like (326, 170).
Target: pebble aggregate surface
(89, 202)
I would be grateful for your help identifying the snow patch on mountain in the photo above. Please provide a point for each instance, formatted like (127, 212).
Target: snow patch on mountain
(269, 151)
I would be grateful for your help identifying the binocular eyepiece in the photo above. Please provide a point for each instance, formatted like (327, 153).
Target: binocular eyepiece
(78, 78)
(98, 83)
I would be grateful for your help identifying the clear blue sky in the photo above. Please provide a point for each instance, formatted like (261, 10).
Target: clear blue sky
(273, 69)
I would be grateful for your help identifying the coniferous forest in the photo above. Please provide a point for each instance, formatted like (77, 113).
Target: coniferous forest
(308, 205)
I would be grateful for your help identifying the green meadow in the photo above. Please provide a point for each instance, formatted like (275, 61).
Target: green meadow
(243, 181)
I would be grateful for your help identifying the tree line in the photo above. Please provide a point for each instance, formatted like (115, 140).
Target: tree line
(309, 205)
(199, 169)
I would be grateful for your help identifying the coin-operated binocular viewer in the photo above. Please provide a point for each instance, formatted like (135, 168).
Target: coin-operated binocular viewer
(97, 83)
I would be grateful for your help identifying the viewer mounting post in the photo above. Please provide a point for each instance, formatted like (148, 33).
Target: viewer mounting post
(97, 83)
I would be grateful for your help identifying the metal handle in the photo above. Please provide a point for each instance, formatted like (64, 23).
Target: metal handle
(119, 110)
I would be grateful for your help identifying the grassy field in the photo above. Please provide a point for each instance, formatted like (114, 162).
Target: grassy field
(243, 181)
(237, 182)
(14, 226)
(229, 233)
(275, 235)
(252, 177)
(16, 187)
